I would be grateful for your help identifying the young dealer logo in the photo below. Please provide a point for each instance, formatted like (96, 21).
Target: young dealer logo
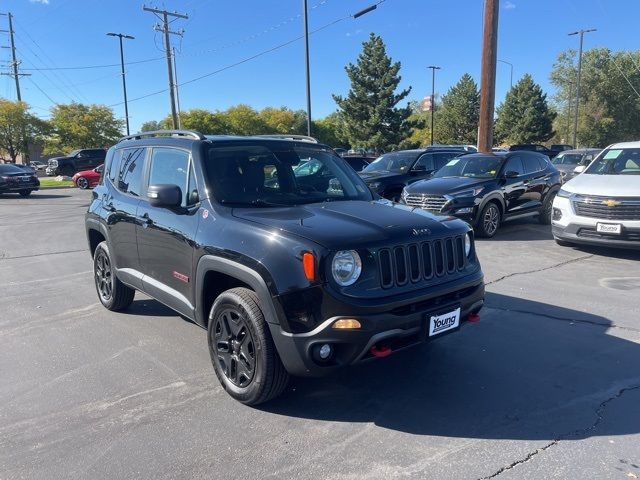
(444, 323)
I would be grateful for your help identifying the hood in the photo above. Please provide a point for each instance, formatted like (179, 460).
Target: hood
(604, 185)
(446, 185)
(354, 223)
(381, 175)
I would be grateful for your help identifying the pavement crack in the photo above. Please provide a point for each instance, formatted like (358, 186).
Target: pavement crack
(43, 254)
(551, 267)
(574, 434)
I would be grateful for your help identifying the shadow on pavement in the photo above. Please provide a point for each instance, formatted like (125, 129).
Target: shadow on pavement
(34, 195)
(513, 376)
(521, 230)
(149, 307)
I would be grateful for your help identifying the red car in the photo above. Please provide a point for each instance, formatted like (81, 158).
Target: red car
(88, 178)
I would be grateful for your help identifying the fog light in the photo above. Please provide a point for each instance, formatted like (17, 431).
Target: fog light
(325, 351)
(347, 324)
(556, 214)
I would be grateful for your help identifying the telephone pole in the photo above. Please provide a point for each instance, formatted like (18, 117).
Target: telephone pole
(488, 75)
(164, 15)
(433, 95)
(14, 63)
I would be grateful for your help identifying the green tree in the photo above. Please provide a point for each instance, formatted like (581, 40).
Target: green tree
(203, 121)
(524, 116)
(371, 118)
(283, 120)
(328, 130)
(151, 126)
(459, 113)
(18, 128)
(76, 125)
(609, 96)
(243, 120)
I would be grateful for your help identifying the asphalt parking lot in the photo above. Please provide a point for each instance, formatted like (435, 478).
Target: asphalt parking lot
(546, 385)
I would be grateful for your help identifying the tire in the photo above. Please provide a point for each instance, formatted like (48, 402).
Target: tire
(545, 213)
(113, 294)
(24, 193)
(82, 183)
(242, 351)
(489, 220)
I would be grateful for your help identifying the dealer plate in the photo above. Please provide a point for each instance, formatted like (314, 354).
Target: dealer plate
(611, 228)
(446, 321)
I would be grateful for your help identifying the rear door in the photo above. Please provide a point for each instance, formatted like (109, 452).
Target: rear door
(166, 236)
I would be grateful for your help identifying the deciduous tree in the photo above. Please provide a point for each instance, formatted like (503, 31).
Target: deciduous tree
(18, 128)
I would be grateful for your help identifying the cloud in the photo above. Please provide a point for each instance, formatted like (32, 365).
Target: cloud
(42, 2)
(507, 5)
(353, 34)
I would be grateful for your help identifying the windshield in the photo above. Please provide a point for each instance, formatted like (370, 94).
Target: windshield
(394, 162)
(567, 159)
(10, 169)
(273, 174)
(616, 161)
(73, 153)
(471, 166)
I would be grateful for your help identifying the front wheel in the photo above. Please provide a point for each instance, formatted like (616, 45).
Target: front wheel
(242, 351)
(24, 193)
(82, 183)
(547, 208)
(113, 294)
(489, 220)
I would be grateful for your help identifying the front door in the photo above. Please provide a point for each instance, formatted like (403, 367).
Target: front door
(515, 187)
(166, 235)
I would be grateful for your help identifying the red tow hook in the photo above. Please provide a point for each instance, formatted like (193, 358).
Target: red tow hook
(380, 352)
(473, 318)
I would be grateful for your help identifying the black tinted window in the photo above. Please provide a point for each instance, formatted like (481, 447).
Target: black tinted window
(531, 164)
(514, 164)
(130, 174)
(170, 166)
(425, 162)
(114, 164)
(441, 159)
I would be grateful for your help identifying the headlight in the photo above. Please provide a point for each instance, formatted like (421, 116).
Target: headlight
(467, 193)
(467, 244)
(404, 195)
(562, 193)
(374, 186)
(346, 267)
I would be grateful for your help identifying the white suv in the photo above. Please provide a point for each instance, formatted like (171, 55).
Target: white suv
(601, 206)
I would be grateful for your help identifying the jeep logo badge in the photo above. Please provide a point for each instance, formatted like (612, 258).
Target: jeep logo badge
(421, 231)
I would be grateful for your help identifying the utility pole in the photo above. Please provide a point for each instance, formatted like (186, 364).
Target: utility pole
(124, 81)
(14, 63)
(306, 59)
(575, 121)
(176, 83)
(433, 95)
(488, 75)
(164, 15)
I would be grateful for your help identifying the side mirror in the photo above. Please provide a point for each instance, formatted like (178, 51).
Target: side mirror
(164, 196)
(579, 169)
(511, 174)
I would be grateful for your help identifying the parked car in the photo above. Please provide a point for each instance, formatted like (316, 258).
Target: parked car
(14, 179)
(602, 205)
(486, 189)
(286, 280)
(76, 161)
(560, 147)
(26, 168)
(567, 161)
(357, 162)
(532, 147)
(462, 148)
(37, 165)
(499, 150)
(340, 151)
(88, 178)
(388, 174)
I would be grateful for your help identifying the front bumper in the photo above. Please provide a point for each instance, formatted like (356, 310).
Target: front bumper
(573, 228)
(393, 325)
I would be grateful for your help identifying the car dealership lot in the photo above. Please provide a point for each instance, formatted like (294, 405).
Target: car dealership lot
(545, 385)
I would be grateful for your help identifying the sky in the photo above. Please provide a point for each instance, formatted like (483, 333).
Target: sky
(54, 37)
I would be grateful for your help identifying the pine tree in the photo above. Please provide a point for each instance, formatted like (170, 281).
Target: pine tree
(459, 113)
(524, 116)
(371, 118)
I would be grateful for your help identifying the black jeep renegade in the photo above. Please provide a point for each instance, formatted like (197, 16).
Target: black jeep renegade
(291, 270)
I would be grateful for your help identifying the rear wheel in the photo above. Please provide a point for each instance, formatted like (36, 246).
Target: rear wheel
(242, 351)
(82, 183)
(545, 212)
(24, 193)
(113, 294)
(489, 220)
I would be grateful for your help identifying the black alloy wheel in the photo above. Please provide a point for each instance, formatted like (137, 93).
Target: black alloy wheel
(489, 220)
(234, 347)
(103, 276)
(113, 294)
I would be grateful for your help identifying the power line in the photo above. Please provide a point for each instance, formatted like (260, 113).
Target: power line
(625, 77)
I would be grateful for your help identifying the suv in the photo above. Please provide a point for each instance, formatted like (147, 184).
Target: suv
(388, 174)
(286, 277)
(601, 206)
(487, 189)
(533, 147)
(76, 161)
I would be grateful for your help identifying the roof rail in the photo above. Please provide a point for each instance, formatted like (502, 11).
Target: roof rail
(165, 133)
(303, 138)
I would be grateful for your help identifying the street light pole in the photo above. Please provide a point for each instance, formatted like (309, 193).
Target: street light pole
(511, 67)
(575, 121)
(433, 95)
(124, 81)
(306, 60)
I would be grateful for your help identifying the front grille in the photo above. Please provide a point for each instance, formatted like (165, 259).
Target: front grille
(416, 262)
(432, 203)
(596, 207)
(629, 236)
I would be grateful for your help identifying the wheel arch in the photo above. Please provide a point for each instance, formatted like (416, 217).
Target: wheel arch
(495, 198)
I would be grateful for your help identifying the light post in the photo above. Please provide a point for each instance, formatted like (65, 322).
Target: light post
(511, 75)
(433, 95)
(306, 53)
(124, 82)
(575, 121)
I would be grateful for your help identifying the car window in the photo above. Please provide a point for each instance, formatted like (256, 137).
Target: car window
(130, 173)
(394, 162)
(616, 161)
(114, 165)
(306, 167)
(514, 164)
(567, 159)
(441, 159)
(170, 166)
(531, 164)
(425, 162)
